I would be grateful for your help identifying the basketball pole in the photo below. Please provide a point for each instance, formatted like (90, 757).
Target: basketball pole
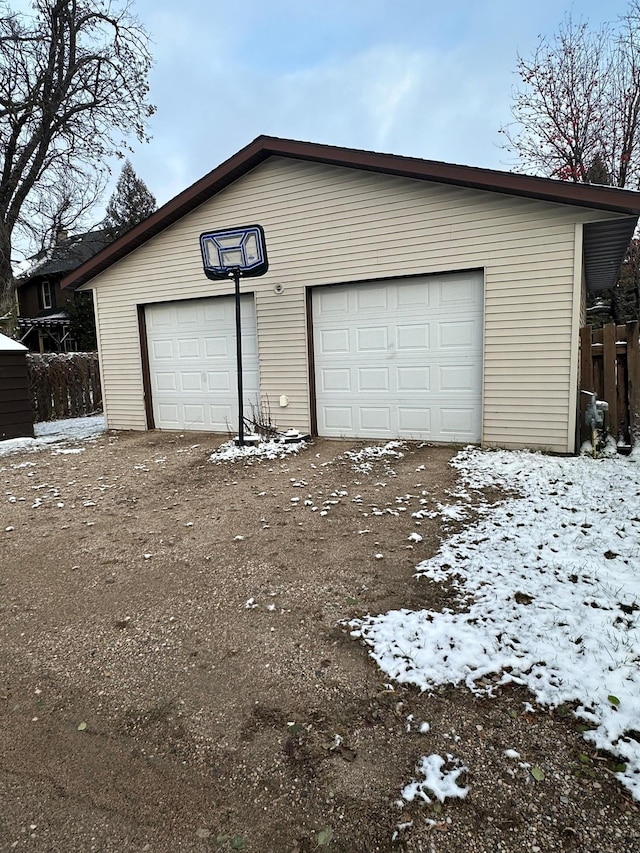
(236, 280)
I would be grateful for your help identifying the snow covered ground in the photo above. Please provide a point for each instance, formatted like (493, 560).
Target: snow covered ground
(548, 583)
(549, 594)
(56, 432)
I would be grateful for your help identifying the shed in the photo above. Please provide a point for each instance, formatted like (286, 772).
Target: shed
(405, 298)
(16, 415)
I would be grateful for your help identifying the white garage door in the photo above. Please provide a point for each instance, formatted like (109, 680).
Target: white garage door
(192, 362)
(400, 359)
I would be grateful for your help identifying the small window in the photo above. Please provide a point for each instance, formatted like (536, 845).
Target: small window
(47, 294)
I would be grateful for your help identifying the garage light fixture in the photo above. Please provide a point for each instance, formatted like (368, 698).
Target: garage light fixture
(232, 253)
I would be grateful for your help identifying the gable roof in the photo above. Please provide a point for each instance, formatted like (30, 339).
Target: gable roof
(66, 255)
(604, 250)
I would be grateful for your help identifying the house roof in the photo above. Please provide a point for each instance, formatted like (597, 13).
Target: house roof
(67, 254)
(605, 242)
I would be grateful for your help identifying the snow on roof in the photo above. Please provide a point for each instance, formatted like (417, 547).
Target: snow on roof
(7, 344)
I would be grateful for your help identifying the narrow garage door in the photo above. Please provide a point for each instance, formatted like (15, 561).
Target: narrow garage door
(192, 362)
(400, 359)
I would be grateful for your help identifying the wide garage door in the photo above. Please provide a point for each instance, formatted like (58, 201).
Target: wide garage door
(192, 362)
(400, 359)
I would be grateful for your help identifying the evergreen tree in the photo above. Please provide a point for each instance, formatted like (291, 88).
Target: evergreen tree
(130, 203)
(597, 173)
(83, 321)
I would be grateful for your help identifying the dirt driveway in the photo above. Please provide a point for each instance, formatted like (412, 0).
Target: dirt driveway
(175, 674)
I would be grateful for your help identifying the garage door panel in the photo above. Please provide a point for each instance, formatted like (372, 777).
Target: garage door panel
(162, 349)
(376, 298)
(332, 301)
(457, 378)
(250, 383)
(164, 381)
(339, 419)
(372, 339)
(335, 380)
(169, 413)
(249, 347)
(222, 418)
(456, 422)
(374, 420)
(191, 381)
(187, 315)
(403, 359)
(218, 314)
(188, 348)
(192, 362)
(415, 337)
(413, 296)
(218, 380)
(161, 319)
(194, 416)
(458, 335)
(373, 379)
(334, 341)
(216, 348)
(413, 379)
(412, 420)
(457, 292)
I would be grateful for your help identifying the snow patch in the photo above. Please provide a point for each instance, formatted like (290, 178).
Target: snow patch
(550, 592)
(272, 449)
(439, 781)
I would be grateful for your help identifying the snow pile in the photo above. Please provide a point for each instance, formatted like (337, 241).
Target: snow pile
(549, 583)
(52, 433)
(272, 449)
(438, 782)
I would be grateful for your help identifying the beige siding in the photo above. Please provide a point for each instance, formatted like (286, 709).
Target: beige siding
(327, 225)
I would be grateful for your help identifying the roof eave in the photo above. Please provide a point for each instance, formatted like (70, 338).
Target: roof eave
(584, 195)
(605, 246)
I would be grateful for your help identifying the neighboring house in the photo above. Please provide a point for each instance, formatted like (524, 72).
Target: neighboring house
(43, 317)
(405, 298)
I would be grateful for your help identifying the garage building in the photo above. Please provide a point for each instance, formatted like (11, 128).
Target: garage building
(405, 298)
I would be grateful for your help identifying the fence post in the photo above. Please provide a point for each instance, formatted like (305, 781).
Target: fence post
(609, 374)
(633, 372)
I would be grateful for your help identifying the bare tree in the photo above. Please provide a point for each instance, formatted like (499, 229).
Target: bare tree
(73, 93)
(577, 110)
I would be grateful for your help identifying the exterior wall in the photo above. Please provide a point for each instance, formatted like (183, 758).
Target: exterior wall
(30, 300)
(326, 225)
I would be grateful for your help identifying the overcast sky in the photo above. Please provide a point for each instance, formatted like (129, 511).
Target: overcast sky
(428, 78)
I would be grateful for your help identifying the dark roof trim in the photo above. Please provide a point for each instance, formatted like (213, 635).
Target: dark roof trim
(546, 189)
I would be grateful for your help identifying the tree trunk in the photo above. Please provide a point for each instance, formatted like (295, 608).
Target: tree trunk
(7, 282)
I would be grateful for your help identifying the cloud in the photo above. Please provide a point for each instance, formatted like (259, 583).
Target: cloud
(405, 78)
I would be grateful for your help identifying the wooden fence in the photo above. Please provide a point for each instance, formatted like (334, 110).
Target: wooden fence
(64, 385)
(610, 367)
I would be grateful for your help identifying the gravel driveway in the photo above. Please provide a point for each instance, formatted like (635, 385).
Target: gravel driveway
(176, 675)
